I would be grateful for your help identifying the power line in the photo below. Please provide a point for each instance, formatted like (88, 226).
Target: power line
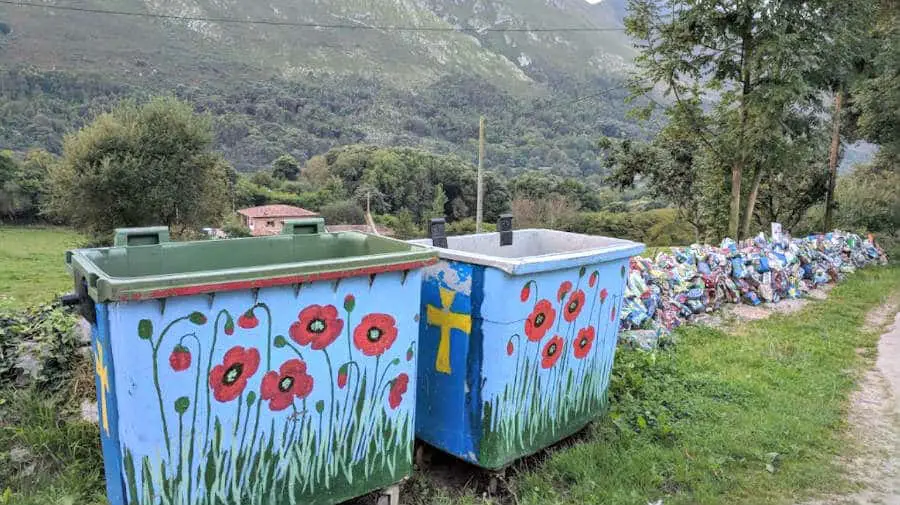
(295, 24)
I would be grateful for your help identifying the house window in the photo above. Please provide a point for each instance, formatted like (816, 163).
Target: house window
(270, 223)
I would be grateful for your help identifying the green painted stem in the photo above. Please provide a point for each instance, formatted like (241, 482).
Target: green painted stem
(331, 406)
(212, 350)
(348, 409)
(259, 401)
(155, 355)
(193, 416)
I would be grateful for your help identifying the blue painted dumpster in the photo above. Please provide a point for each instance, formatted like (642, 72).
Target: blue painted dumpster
(275, 370)
(517, 342)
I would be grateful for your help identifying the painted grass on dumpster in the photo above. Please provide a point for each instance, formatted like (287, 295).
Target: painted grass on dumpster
(749, 416)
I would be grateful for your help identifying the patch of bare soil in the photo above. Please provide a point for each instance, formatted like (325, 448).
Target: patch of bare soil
(873, 462)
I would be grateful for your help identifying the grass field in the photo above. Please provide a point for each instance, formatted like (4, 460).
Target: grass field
(749, 415)
(746, 415)
(32, 268)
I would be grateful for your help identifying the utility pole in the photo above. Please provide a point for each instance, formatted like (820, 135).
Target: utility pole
(479, 202)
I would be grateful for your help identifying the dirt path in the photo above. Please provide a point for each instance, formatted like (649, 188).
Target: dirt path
(874, 421)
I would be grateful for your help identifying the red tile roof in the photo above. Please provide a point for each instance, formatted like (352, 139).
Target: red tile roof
(277, 210)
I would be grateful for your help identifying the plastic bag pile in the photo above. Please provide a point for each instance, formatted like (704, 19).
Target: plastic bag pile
(671, 289)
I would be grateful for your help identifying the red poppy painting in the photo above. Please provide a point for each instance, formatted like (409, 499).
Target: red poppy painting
(584, 341)
(603, 294)
(290, 382)
(375, 334)
(564, 288)
(248, 320)
(573, 306)
(317, 326)
(229, 378)
(398, 388)
(509, 348)
(593, 280)
(526, 292)
(551, 352)
(180, 359)
(539, 321)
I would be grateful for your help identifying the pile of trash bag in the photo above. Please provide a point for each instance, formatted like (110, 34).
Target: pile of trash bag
(664, 292)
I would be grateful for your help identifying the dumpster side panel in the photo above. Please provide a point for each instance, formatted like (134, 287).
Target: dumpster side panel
(107, 406)
(448, 377)
(548, 341)
(282, 395)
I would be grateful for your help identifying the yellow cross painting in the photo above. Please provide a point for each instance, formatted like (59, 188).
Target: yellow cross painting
(103, 377)
(447, 321)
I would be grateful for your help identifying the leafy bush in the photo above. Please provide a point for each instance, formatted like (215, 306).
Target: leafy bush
(344, 212)
(660, 227)
(38, 347)
(140, 166)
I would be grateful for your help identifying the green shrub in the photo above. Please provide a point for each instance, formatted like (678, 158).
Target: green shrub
(660, 227)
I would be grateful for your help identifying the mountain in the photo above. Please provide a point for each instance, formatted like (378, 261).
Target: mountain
(302, 76)
(423, 49)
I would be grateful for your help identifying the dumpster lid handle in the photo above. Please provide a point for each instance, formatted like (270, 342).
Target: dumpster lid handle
(150, 235)
(437, 231)
(304, 226)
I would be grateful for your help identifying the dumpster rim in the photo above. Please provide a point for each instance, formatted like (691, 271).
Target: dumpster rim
(622, 248)
(106, 288)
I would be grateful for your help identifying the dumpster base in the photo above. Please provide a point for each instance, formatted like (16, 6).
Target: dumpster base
(498, 451)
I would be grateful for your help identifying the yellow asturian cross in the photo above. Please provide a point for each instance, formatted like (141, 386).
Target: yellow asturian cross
(103, 378)
(447, 321)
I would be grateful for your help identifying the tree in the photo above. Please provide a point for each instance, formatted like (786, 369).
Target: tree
(750, 62)
(286, 168)
(553, 211)
(344, 212)
(8, 189)
(439, 204)
(877, 97)
(404, 226)
(869, 200)
(140, 165)
(843, 59)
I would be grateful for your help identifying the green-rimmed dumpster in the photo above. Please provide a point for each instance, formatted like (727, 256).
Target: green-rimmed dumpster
(271, 370)
(517, 337)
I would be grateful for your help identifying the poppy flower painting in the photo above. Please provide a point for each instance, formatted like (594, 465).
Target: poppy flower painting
(180, 359)
(317, 326)
(573, 306)
(584, 341)
(551, 352)
(248, 320)
(229, 378)
(289, 383)
(375, 334)
(539, 321)
(564, 288)
(398, 388)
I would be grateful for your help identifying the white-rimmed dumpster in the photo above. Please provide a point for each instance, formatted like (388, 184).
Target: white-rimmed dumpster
(516, 341)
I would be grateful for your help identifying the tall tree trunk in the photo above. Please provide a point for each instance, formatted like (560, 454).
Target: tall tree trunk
(734, 212)
(737, 168)
(833, 156)
(751, 201)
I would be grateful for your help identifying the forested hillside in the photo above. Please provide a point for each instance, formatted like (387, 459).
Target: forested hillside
(392, 72)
